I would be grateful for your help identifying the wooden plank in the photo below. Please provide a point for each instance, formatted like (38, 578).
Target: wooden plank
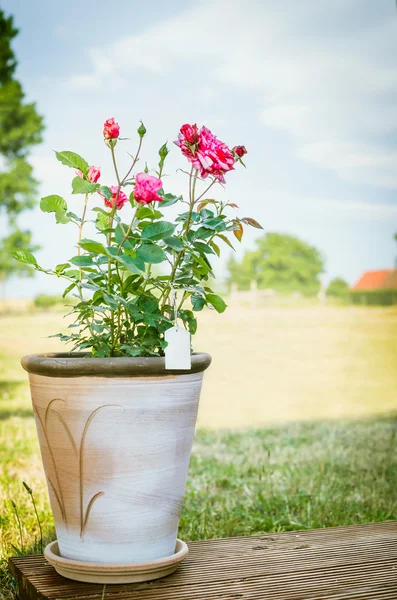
(353, 562)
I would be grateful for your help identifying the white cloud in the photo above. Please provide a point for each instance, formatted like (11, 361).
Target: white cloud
(84, 81)
(332, 92)
(354, 161)
(355, 210)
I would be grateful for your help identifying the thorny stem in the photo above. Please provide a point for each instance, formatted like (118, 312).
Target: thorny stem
(81, 232)
(205, 191)
(128, 230)
(80, 289)
(192, 188)
(134, 161)
(109, 239)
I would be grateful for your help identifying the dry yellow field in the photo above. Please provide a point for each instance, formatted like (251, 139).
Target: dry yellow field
(269, 365)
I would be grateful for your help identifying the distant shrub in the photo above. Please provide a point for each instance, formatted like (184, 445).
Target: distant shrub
(374, 297)
(338, 288)
(47, 301)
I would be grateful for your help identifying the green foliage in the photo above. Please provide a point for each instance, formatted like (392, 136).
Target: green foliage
(14, 259)
(338, 288)
(21, 127)
(387, 297)
(123, 307)
(47, 301)
(280, 262)
(269, 480)
(72, 160)
(299, 476)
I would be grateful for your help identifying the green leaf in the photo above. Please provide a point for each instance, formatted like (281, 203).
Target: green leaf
(110, 301)
(202, 264)
(54, 204)
(102, 221)
(198, 303)
(226, 240)
(81, 186)
(169, 199)
(206, 214)
(68, 289)
(215, 247)
(72, 273)
(158, 231)
(203, 248)
(60, 268)
(151, 254)
(119, 234)
(146, 212)
(188, 317)
(174, 243)
(105, 191)
(24, 257)
(216, 224)
(82, 261)
(148, 304)
(62, 217)
(135, 265)
(93, 246)
(203, 233)
(217, 302)
(72, 160)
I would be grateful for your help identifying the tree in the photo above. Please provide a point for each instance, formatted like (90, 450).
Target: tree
(338, 288)
(21, 127)
(17, 240)
(280, 262)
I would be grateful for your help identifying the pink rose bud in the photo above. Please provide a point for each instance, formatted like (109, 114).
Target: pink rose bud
(146, 188)
(79, 174)
(111, 129)
(189, 133)
(94, 174)
(240, 150)
(117, 200)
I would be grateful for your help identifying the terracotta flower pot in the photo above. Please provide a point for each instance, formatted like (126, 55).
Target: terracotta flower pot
(115, 437)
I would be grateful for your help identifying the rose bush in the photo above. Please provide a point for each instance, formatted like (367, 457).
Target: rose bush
(124, 309)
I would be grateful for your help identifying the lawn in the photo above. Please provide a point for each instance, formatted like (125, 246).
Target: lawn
(317, 390)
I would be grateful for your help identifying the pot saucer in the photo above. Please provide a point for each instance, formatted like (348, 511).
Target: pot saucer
(91, 572)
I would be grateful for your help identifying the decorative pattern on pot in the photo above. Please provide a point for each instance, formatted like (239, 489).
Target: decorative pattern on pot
(116, 477)
(79, 453)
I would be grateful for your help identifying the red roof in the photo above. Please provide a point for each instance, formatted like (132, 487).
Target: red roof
(375, 280)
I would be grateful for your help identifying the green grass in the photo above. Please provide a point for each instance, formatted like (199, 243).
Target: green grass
(330, 372)
(299, 476)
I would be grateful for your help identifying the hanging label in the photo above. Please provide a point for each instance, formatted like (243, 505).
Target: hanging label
(177, 353)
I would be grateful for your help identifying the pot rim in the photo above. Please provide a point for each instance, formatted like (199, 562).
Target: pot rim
(81, 364)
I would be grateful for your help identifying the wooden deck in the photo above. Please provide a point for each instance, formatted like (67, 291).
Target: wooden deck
(356, 562)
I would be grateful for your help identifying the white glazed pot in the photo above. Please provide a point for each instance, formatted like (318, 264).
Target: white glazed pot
(115, 437)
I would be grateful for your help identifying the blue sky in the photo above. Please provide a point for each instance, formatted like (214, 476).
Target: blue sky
(309, 87)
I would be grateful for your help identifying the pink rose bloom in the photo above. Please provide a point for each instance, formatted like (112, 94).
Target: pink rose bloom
(146, 188)
(111, 129)
(119, 200)
(208, 155)
(240, 151)
(94, 174)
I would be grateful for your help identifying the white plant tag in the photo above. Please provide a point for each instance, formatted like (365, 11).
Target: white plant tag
(177, 353)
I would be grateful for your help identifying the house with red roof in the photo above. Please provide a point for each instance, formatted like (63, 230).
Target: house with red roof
(376, 287)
